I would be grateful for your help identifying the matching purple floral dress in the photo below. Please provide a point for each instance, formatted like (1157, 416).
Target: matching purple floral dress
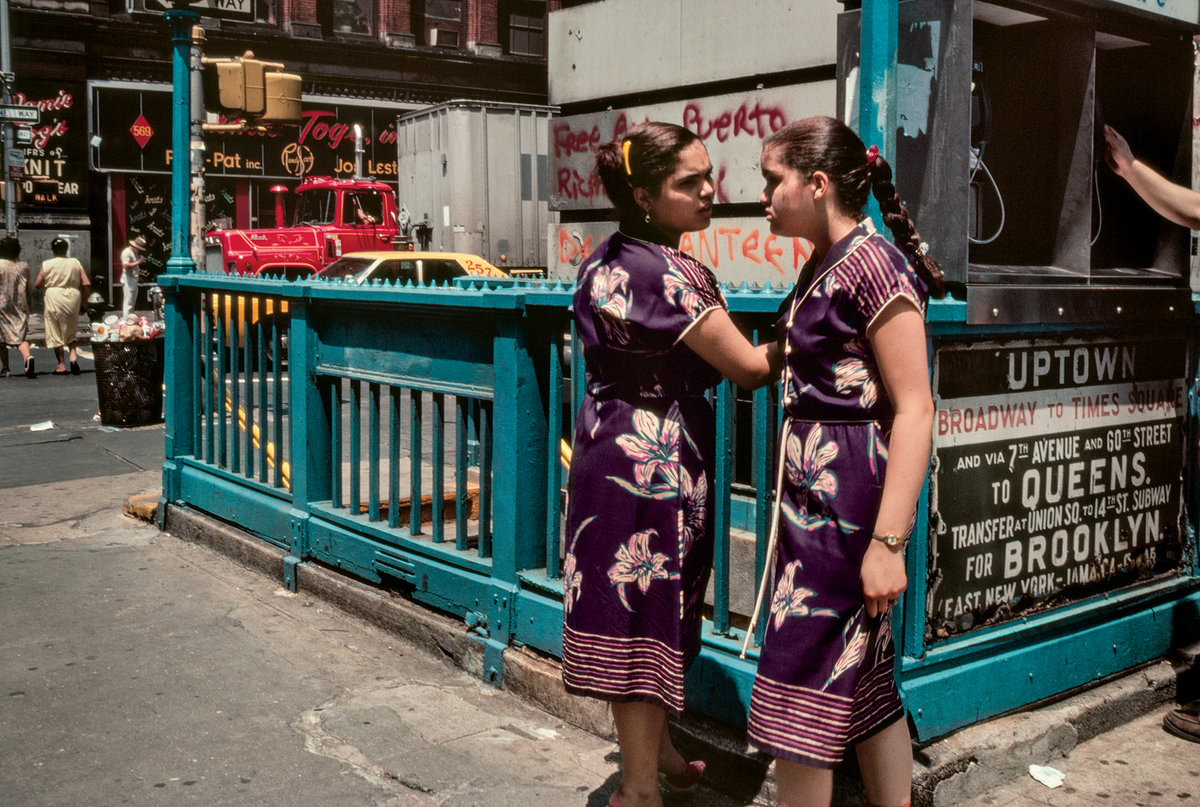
(639, 524)
(825, 673)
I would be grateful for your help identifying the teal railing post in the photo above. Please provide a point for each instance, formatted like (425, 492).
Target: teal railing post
(519, 445)
(181, 21)
(877, 118)
(311, 424)
(1192, 472)
(722, 480)
(179, 377)
(766, 430)
(178, 352)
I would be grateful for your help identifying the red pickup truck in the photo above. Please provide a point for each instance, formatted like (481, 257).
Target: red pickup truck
(331, 216)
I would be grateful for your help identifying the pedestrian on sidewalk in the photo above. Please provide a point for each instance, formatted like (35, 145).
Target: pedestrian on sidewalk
(132, 258)
(656, 338)
(15, 294)
(1182, 206)
(853, 454)
(67, 287)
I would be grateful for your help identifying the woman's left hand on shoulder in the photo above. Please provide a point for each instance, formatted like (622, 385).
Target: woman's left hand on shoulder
(884, 578)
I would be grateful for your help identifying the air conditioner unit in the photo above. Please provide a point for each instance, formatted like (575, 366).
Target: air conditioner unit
(443, 37)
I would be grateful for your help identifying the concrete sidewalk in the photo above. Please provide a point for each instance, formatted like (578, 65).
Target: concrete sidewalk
(989, 760)
(143, 669)
(146, 669)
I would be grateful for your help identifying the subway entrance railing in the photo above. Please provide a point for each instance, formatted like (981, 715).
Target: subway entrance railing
(413, 437)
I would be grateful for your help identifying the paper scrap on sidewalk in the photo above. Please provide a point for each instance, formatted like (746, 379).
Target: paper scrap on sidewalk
(1050, 777)
(44, 426)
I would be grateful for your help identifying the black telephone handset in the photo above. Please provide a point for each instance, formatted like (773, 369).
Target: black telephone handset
(981, 108)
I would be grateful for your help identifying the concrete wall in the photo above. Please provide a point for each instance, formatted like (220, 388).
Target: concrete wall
(627, 46)
(731, 72)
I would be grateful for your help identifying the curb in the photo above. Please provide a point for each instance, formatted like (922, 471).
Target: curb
(974, 760)
(947, 771)
(732, 768)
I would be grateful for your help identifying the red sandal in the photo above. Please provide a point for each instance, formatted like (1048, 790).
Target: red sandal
(683, 782)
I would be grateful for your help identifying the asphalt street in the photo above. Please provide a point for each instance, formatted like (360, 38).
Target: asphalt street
(74, 445)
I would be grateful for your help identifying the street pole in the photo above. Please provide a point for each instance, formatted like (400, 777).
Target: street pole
(877, 117)
(6, 77)
(179, 394)
(196, 144)
(181, 21)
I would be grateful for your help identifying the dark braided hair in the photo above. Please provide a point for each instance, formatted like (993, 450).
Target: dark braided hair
(822, 143)
(653, 153)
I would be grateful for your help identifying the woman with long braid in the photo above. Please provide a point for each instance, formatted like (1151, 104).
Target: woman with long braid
(854, 453)
(656, 337)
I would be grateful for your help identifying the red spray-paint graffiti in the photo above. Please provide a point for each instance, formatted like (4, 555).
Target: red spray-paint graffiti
(713, 247)
(751, 119)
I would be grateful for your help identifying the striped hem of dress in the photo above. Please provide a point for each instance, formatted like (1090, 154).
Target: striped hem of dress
(815, 727)
(876, 703)
(622, 669)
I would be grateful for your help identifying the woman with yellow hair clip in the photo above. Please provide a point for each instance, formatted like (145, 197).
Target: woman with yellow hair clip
(657, 338)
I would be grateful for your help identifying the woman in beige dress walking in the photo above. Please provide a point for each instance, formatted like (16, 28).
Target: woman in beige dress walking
(14, 306)
(66, 286)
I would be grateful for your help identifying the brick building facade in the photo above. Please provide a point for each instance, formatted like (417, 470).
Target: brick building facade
(99, 166)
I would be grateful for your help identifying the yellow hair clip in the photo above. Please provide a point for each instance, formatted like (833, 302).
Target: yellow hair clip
(625, 149)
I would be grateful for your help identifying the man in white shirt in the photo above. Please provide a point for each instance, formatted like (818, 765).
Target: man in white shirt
(131, 261)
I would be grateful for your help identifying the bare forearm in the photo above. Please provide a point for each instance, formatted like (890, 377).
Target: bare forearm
(1174, 202)
(718, 341)
(908, 464)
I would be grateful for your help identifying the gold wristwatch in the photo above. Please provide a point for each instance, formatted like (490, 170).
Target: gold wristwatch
(892, 541)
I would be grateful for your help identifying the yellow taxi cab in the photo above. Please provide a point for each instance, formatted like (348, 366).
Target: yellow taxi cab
(423, 268)
(417, 267)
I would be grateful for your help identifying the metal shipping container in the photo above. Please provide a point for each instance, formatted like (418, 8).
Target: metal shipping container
(476, 174)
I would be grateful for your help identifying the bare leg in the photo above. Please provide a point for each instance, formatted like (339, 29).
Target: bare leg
(886, 762)
(23, 349)
(669, 759)
(72, 355)
(640, 728)
(802, 785)
(58, 356)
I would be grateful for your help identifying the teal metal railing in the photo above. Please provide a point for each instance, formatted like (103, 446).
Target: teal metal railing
(417, 438)
(413, 437)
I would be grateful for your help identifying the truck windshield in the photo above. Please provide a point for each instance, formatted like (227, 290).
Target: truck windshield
(346, 267)
(316, 207)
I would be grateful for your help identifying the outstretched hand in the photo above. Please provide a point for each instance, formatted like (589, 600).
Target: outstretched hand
(1118, 155)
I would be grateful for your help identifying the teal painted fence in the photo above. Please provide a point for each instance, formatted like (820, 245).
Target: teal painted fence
(412, 438)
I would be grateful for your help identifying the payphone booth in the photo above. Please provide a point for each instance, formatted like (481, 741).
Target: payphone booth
(1061, 498)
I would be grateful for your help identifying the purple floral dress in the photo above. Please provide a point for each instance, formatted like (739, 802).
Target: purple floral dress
(825, 674)
(639, 525)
